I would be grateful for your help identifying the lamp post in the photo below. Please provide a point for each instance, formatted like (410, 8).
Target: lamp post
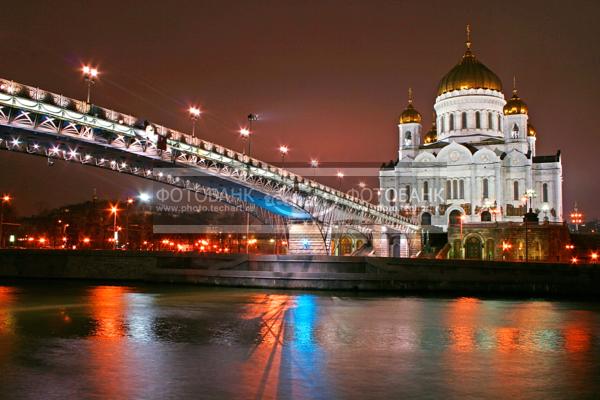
(251, 119)
(462, 246)
(283, 150)
(340, 176)
(90, 74)
(114, 210)
(5, 199)
(545, 209)
(129, 203)
(576, 218)
(194, 116)
(245, 135)
(314, 164)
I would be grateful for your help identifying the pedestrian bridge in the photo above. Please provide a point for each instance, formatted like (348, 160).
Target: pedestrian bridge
(45, 124)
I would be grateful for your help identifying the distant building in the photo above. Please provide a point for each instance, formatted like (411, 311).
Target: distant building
(478, 160)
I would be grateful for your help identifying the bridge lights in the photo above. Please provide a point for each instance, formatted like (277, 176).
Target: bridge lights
(194, 116)
(90, 74)
(340, 176)
(245, 135)
(283, 150)
(314, 164)
(251, 119)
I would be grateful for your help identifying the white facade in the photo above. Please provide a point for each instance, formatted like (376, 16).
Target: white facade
(479, 162)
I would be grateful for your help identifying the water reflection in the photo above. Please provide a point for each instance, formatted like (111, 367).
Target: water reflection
(7, 297)
(462, 321)
(119, 342)
(261, 369)
(108, 306)
(286, 359)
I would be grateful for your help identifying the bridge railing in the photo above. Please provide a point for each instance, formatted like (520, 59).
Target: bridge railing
(104, 118)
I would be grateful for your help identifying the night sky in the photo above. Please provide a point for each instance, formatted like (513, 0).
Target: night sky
(329, 78)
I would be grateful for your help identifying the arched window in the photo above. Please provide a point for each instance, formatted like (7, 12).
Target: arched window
(448, 190)
(545, 192)
(490, 121)
(462, 189)
(391, 197)
(515, 131)
(451, 122)
(486, 216)
(454, 217)
(464, 120)
(455, 189)
(478, 120)
(425, 191)
(425, 218)
(516, 190)
(407, 194)
(485, 189)
(499, 123)
(407, 138)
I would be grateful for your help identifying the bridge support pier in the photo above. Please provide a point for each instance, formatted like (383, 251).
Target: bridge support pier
(305, 238)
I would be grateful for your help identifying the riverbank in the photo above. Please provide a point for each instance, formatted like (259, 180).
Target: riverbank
(308, 272)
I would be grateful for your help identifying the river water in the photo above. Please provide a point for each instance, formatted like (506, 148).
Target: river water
(65, 341)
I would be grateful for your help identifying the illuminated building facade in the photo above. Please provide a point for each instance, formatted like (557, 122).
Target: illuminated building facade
(478, 162)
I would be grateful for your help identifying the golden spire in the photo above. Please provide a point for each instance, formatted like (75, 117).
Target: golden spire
(515, 85)
(468, 42)
(410, 96)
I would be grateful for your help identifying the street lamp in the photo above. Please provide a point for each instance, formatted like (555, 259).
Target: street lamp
(130, 202)
(545, 209)
(529, 195)
(576, 218)
(90, 74)
(5, 200)
(251, 119)
(314, 164)
(245, 135)
(194, 116)
(115, 210)
(283, 150)
(340, 176)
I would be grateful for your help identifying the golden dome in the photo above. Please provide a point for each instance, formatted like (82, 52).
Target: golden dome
(531, 131)
(410, 114)
(431, 136)
(515, 105)
(469, 73)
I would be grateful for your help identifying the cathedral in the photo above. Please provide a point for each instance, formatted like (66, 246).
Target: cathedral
(478, 162)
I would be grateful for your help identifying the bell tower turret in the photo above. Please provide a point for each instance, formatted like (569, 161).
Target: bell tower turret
(409, 129)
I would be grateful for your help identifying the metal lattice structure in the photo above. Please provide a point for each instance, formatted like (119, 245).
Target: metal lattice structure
(41, 123)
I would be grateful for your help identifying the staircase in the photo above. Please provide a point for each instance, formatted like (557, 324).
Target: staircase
(305, 238)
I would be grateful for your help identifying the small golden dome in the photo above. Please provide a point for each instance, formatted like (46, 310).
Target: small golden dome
(410, 114)
(469, 74)
(431, 136)
(531, 131)
(515, 105)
